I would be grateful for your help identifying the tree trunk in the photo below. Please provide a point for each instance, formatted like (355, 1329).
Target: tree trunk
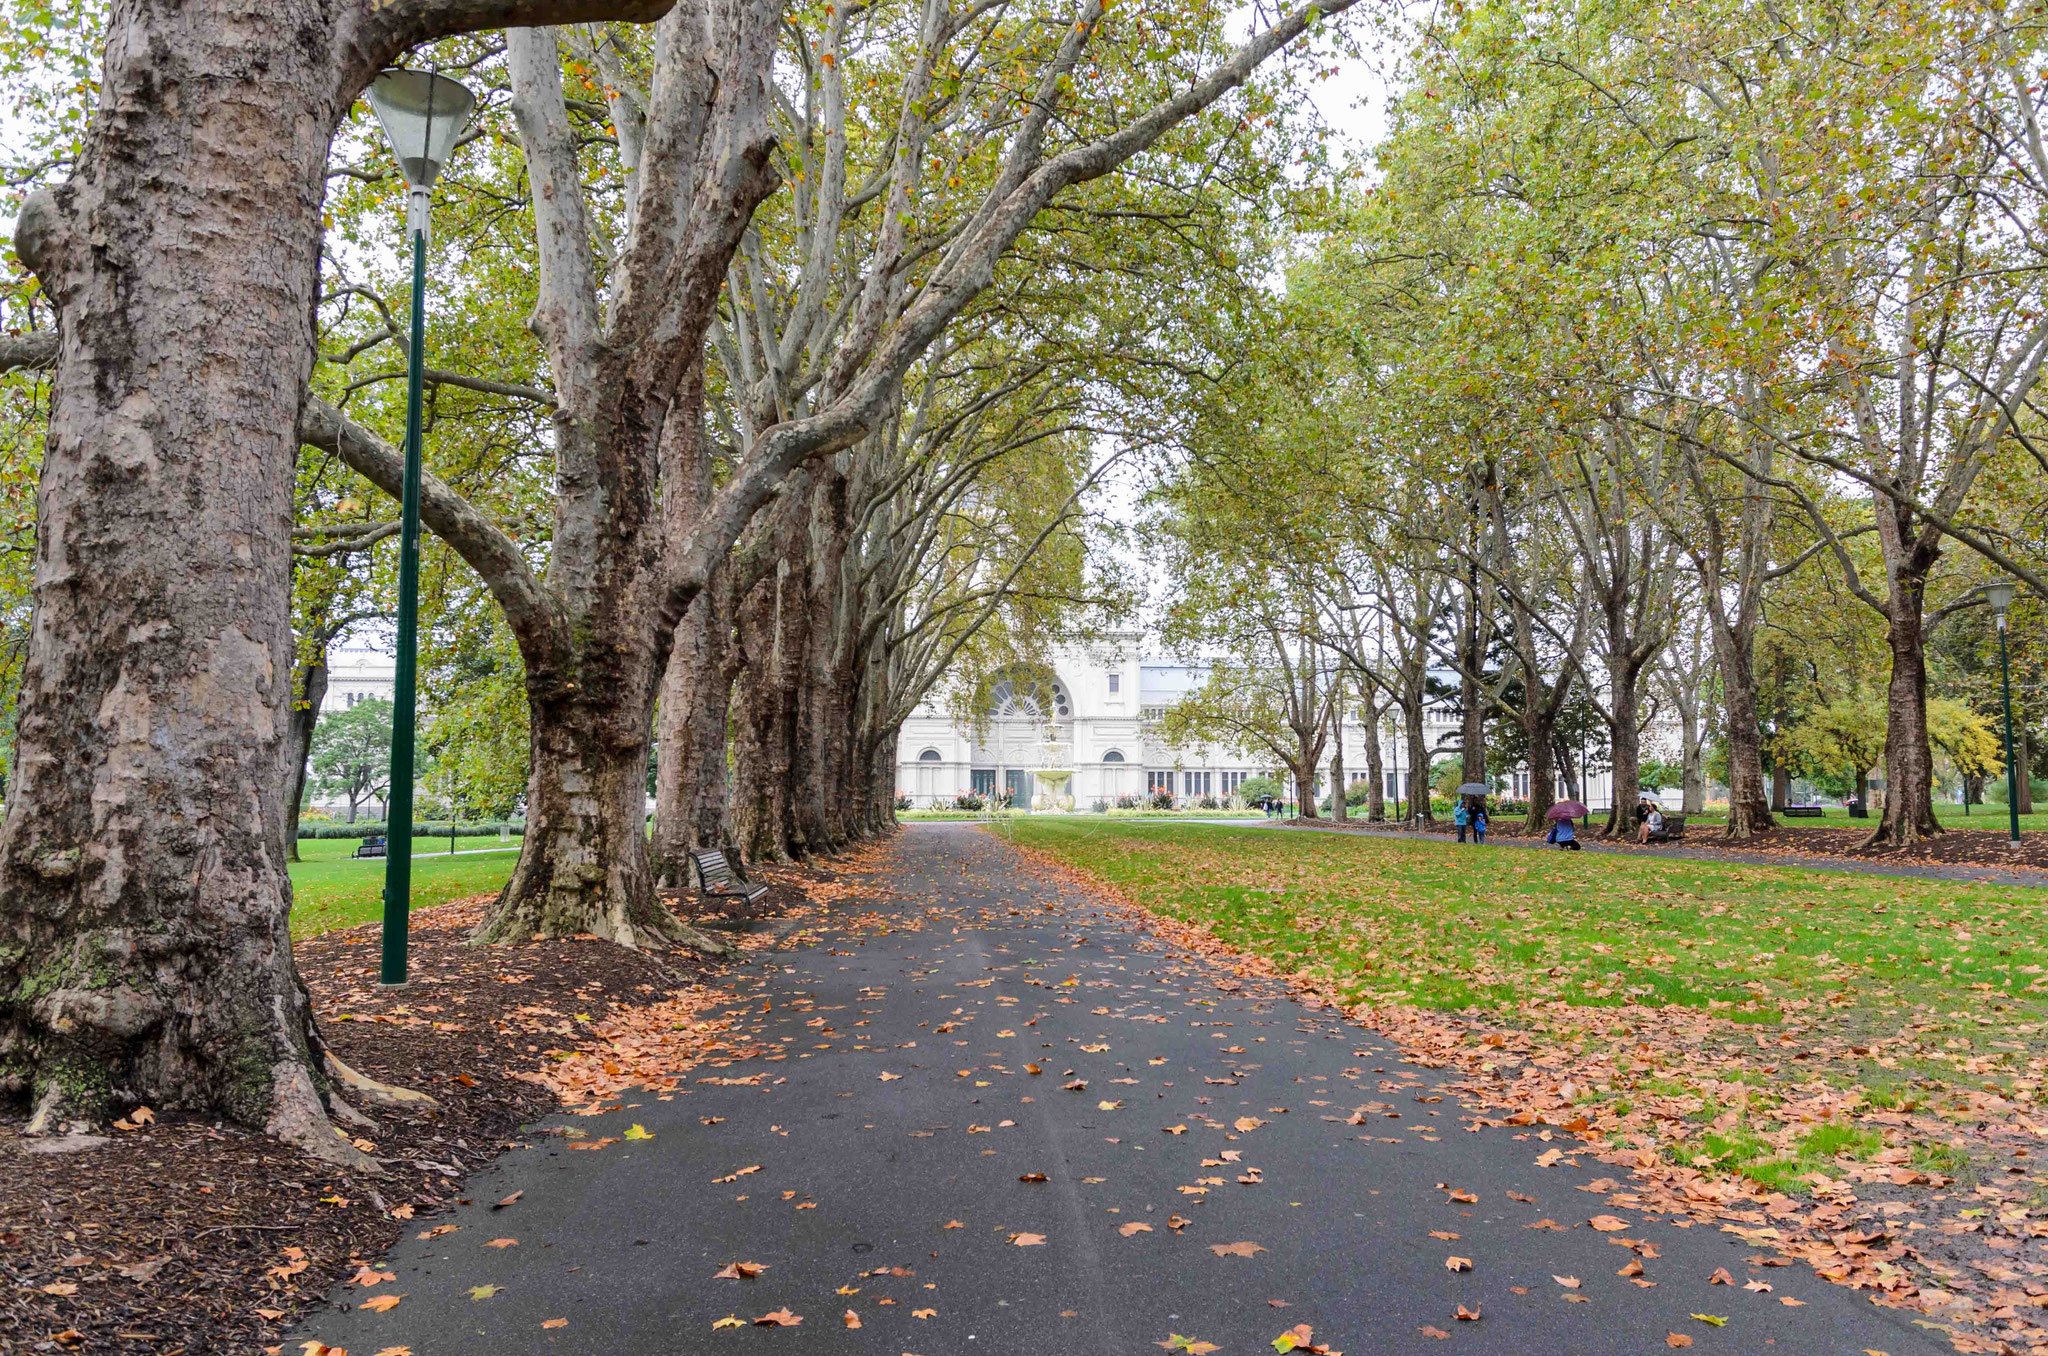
(1781, 787)
(692, 806)
(1624, 758)
(1339, 811)
(147, 954)
(1692, 773)
(1418, 765)
(1749, 811)
(1303, 769)
(1375, 770)
(1542, 772)
(764, 723)
(312, 691)
(2023, 755)
(1908, 753)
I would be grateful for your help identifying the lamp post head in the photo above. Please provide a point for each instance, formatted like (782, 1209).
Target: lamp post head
(422, 115)
(2000, 597)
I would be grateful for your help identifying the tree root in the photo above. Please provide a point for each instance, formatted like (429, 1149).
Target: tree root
(299, 1118)
(375, 1093)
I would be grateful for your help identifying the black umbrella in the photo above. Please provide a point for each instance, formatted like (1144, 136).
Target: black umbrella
(1475, 789)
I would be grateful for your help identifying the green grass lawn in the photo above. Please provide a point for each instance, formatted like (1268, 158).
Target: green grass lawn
(331, 890)
(913, 816)
(1944, 985)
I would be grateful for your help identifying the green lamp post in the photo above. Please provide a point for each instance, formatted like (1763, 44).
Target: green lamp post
(2000, 597)
(422, 115)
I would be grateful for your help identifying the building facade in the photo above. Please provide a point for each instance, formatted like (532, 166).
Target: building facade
(1086, 728)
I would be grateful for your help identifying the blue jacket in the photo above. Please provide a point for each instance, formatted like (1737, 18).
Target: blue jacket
(1561, 831)
(1461, 816)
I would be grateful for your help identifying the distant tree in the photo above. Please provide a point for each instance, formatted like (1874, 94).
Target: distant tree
(352, 753)
(1654, 774)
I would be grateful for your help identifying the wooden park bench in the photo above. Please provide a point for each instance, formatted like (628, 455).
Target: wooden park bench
(369, 847)
(1803, 811)
(722, 876)
(1674, 829)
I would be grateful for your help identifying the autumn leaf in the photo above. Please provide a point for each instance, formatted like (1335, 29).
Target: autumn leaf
(733, 1271)
(508, 1200)
(1634, 1268)
(1175, 1342)
(1445, 1234)
(484, 1292)
(729, 1321)
(1720, 1277)
(1464, 1197)
(1756, 1285)
(887, 1077)
(1245, 1249)
(1027, 1240)
(732, 1176)
(777, 1318)
(1710, 1318)
(1108, 1106)
(1677, 1339)
(554, 1323)
(1791, 1303)
(1135, 1227)
(1469, 1315)
(1568, 1282)
(953, 1224)
(850, 1319)
(1031, 1177)
(502, 1243)
(638, 1131)
(1246, 1124)
(1457, 1264)
(1608, 1224)
(924, 1313)
(1438, 1333)
(392, 1351)
(378, 1304)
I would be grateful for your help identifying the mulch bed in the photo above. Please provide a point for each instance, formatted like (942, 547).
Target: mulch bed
(186, 1235)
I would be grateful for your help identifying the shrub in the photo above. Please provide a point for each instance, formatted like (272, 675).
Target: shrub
(968, 800)
(1207, 803)
(903, 802)
(365, 828)
(1162, 800)
(1100, 806)
(1127, 801)
(1257, 788)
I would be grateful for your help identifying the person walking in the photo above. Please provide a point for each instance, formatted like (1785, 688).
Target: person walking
(1479, 824)
(1462, 817)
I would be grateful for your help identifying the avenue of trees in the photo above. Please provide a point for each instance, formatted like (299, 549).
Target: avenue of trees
(1672, 362)
(773, 356)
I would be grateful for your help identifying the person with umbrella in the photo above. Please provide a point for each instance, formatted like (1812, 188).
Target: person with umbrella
(1471, 807)
(1561, 832)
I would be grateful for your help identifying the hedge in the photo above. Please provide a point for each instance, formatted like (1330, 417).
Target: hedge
(364, 828)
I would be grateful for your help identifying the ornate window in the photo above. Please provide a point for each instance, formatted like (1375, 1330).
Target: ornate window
(929, 756)
(1113, 756)
(1032, 696)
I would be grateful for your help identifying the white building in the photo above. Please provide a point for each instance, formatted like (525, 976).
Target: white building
(357, 670)
(1096, 713)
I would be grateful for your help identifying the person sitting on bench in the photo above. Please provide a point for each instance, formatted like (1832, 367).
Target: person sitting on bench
(1653, 825)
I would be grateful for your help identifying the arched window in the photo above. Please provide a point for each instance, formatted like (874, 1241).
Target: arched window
(929, 756)
(1113, 756)
(1034, 696)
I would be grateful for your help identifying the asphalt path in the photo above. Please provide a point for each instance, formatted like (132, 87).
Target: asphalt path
(876, 1164)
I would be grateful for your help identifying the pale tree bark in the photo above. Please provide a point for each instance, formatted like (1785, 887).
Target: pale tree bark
(1339, 811)
(143, 853)
(692, 801)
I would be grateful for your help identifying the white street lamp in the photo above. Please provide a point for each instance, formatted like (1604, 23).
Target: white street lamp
(422, 114)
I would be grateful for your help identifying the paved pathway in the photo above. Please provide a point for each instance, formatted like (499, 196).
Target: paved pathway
(1976, 875)
(892, 1133)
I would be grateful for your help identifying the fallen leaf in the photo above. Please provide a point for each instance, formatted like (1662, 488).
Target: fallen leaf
(638, 1131)
(850, 1319)
(1756, 1285)
(1135, 1227)
(732, 1176)
(1175, 1342)
(1457, 1264)
(729, 1321)
(1236, 1249)
(1438, 1333)
(1677, 1339)
(554, 1323)
(734, 1271)
(924, 1313)
(1039, 1176)
(1634, 1268)
(502, 1243)
(1445, 1234)
(954, 1224)
(1469, 1315)
(889, 1077)
(1464, 1197)
(1608, 1224)
(484, 1292)
(1113, 1106)
(1518, 1196)
(1710, 1318)
(777, 1318)
(1027, 1240)
(1720, 1277)
(59, 1288)
(378, 1304)
(392, 1351)
(1791, 1303)
(1568, 1282)
(508, 1200)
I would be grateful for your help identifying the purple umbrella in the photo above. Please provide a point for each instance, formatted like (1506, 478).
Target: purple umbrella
(1566, 809)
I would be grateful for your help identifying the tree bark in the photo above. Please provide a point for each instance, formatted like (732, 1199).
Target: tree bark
(1624, 758)
(692, 805)
(2023, 755)
(1781, 787)
(1908, 753)
(1339, 811)
(1418, 763)
(311, 691)
(1375, 768)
